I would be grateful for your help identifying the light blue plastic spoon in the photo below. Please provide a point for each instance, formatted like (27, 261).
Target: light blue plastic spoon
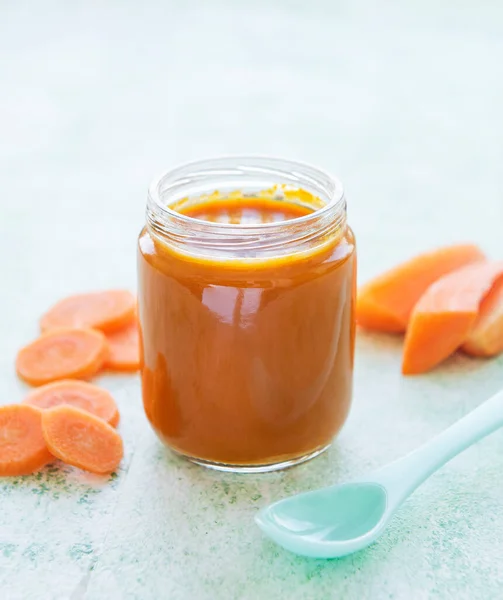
(342, 519)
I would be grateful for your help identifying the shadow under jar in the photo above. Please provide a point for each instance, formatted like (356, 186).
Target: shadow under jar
(247, 273)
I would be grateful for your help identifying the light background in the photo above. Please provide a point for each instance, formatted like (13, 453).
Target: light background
(403, 101)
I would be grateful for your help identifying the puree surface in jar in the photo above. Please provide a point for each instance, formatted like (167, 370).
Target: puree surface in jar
(247, 361)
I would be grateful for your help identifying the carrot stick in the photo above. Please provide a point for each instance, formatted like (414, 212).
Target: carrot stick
(386, 302)
(80, 394)
(124, 349)
(62, 354)
(107, 311)
(22, 446)
(442, 319)
(82, 439)
(486, 336)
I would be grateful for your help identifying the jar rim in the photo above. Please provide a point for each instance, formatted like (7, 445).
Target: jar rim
(334, 189)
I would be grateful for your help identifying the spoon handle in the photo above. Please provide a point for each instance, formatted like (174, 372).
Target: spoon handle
(403, 476)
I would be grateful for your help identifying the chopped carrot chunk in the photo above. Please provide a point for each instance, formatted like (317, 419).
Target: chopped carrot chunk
(386, 302)
(486, 336)
(444, 316)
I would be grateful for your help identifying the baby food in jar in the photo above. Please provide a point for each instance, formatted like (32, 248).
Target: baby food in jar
(246, 307)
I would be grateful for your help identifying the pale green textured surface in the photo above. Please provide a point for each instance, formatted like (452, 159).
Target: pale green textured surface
(403, 102)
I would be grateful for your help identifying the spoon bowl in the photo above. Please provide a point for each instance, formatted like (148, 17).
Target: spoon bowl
(327, 523)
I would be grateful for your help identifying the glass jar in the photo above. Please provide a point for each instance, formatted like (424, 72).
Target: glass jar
(247, 322)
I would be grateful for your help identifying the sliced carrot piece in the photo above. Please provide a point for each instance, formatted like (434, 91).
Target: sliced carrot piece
(82, 439)
(386, 302)
(486, 336)
(80, 394)
(442, 319)
(62, 354)
(124, 349)
(22, 446)
(106, 311)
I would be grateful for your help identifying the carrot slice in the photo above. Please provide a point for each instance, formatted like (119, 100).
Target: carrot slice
(442, 319)
(386, 302)
(62, 354)
(80, 394)
(486, 336)
(22, 446)
(106, 311)
(82, 439)
(124, 349)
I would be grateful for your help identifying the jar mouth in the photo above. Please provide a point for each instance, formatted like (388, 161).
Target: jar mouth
(237, 171)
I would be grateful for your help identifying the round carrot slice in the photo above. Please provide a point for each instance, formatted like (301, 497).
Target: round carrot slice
(106, 311)
(62, 354)
(82, 439)
(22, 446)
(80, 394)
(124, 352)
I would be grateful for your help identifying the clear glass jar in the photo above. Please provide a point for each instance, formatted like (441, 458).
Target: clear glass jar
(247, 325)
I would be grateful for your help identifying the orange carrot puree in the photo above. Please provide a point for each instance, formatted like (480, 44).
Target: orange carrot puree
(247, 363)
